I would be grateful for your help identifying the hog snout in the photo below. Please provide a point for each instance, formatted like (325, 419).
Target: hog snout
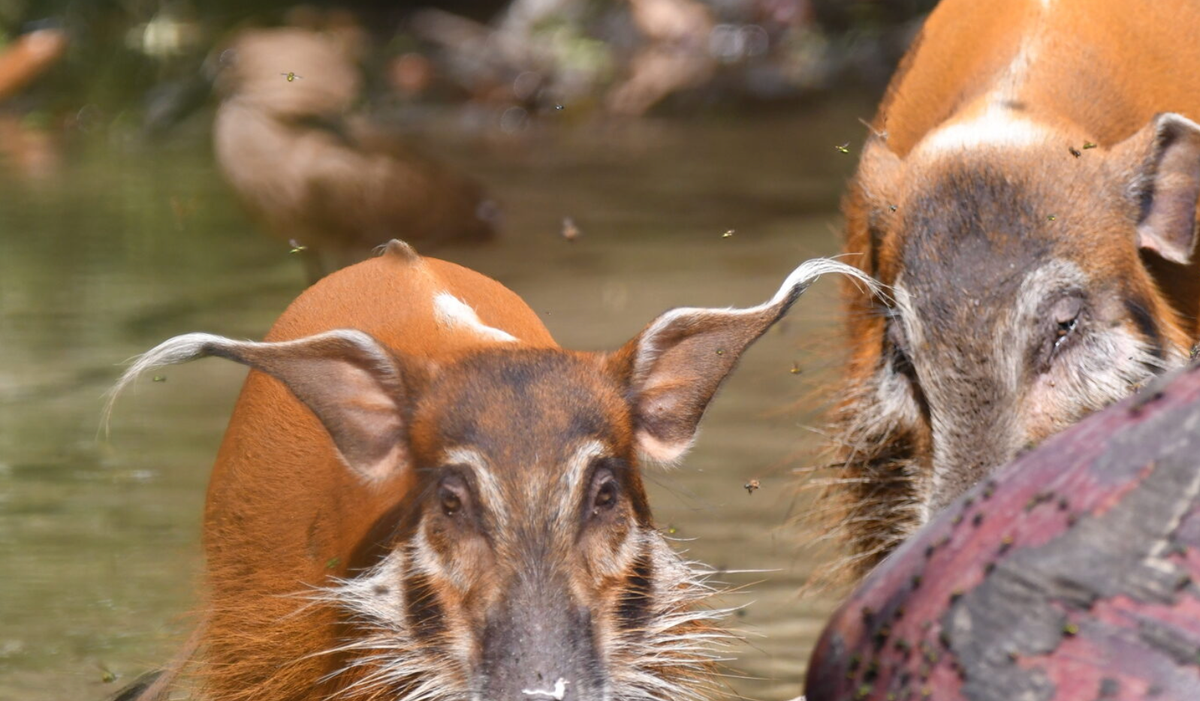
(541, 651)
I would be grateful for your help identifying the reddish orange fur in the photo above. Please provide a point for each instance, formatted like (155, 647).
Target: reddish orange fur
(276, 469)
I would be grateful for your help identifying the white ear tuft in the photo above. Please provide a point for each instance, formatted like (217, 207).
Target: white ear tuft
(351, 382)
(675, 366)
(174, 351)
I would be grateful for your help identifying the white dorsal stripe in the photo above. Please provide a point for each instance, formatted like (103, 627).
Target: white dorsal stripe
(452, 312)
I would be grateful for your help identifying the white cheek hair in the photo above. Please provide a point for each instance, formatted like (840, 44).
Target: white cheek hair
(1106, 368)
(383, 650)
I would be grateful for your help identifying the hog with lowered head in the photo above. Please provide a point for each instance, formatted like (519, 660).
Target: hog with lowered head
(1029, 193)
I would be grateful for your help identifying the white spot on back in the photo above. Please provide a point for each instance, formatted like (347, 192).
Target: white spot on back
(452, 312)
(996, 127)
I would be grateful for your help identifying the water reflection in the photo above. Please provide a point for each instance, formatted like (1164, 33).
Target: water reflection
(127, 245)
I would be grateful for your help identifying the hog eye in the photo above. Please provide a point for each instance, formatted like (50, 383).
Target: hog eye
(1063, 330)
(451, 504)
(1065, 317)
(452, 494)
(606, 496)
(605, 490)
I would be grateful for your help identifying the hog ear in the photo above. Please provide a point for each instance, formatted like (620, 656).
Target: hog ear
(673, 368)
(351, 382)
(879, 173)
(872, 199)
(1164, 157)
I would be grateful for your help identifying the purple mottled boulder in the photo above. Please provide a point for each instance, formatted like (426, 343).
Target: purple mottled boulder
(1070, 575)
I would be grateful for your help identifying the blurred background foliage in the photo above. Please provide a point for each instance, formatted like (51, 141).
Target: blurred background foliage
(124, 57)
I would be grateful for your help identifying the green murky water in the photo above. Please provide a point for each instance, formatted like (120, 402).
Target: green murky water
(124, 244)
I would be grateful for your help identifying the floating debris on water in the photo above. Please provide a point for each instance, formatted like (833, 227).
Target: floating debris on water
(570, 232)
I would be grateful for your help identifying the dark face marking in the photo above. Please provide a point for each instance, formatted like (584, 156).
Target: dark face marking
(636, 598)
(1139, 312)
(425, 614)
(971, 233)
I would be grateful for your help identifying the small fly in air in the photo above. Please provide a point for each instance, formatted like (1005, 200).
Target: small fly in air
(796, 368)
(1087, 145)
(1051, 218)
(844, 148)
(728, 234)
(559, 108)
(570, 232)
(159, 378)
(892, 207)
(296, 247)
(751, 486)
(291, 77)
(1074, 151)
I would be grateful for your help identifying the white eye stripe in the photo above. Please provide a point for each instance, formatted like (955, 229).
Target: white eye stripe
(571, 483)
(576, 469)
(489, 486)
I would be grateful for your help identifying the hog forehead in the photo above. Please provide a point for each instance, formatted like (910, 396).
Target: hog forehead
(524, 407)
(970, 237)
